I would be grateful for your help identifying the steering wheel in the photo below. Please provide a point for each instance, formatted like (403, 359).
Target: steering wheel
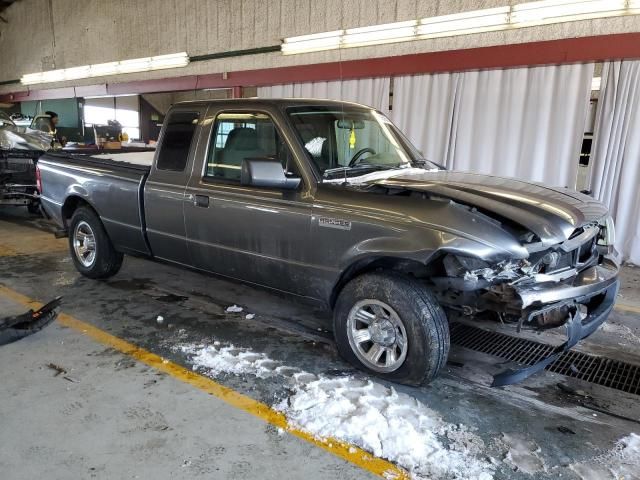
(359, 153)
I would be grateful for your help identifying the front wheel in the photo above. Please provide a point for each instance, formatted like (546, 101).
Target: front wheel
(392, 326)
(91, 249)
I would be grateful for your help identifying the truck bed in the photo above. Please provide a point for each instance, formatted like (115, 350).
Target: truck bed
(138, 161)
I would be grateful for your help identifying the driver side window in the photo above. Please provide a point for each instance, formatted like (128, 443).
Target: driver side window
(236, 136)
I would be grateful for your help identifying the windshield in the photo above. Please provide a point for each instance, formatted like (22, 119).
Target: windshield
(352, 141)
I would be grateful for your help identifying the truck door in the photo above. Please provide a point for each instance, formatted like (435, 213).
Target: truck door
(260, 235)
(164, 191)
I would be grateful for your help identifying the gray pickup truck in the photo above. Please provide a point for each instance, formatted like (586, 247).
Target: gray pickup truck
(330, 201)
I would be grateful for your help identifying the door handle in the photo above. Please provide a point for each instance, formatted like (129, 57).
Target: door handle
(201, 201)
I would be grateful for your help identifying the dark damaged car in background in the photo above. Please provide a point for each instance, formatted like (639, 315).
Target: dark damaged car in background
(20, 149)
(330, 201)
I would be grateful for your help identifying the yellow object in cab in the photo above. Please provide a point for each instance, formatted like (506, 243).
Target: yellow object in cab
(352, 139)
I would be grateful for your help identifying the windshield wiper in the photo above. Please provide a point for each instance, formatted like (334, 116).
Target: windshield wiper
(360, 166)
(423, 162)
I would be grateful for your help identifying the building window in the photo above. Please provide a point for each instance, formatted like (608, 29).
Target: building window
(125, 110)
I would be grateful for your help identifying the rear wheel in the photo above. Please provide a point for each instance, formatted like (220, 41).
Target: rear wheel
(91, 250)
(392, 326)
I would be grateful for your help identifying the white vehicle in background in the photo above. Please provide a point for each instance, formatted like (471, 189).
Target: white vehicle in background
(21, 120)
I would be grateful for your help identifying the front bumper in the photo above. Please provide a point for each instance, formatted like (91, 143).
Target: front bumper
(589, 282)
(595, 288)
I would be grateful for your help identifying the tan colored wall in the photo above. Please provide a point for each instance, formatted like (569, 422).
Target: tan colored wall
(74, 33)
(162, 101)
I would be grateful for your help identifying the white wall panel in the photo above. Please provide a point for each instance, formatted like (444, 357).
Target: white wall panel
(373, 92)
(523, 122)
(616, 153)
(423, 108)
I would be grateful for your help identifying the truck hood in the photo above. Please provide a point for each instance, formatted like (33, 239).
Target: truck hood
(551, 213)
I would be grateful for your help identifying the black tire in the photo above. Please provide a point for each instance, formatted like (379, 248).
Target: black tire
(107, 261)
(424, 320)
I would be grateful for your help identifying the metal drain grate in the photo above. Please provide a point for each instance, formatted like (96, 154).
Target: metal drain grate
(599, 370)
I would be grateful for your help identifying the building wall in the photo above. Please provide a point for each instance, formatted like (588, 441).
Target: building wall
(66, 108)
(48, 34)
(162, 101)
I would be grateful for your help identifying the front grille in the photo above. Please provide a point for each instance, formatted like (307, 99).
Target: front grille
(590, 368)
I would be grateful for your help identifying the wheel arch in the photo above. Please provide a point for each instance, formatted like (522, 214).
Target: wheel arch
(405, 266)
(71, 204)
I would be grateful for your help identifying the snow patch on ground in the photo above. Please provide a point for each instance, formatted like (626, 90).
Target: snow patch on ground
(386, 423)
(233, 309)
(621, 331)
(215, 360)
(523, 455)
(621, 462)
(372, 416)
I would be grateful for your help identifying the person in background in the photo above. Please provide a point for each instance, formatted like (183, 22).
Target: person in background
(53, 129)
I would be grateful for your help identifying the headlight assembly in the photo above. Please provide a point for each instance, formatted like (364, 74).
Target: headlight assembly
(471, 268)
(607, 235)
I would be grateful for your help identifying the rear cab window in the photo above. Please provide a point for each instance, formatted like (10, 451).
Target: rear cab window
(176, 141)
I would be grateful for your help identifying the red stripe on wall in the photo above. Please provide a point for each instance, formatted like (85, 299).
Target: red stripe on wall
(570, 50)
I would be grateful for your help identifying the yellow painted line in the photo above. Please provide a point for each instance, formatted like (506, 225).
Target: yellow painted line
(7, 251)
(350, 453)
(23, 240)
(627, 308)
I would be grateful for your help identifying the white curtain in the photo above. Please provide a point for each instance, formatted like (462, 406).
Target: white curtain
(423, 108)
(521, 122)
(373, 92)
(615, 155)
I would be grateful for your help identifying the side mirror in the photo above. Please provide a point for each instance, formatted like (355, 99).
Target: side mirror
(266, 173)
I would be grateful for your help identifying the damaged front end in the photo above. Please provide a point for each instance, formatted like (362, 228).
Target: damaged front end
(19, 152)
(572, 285)
(18, 183)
